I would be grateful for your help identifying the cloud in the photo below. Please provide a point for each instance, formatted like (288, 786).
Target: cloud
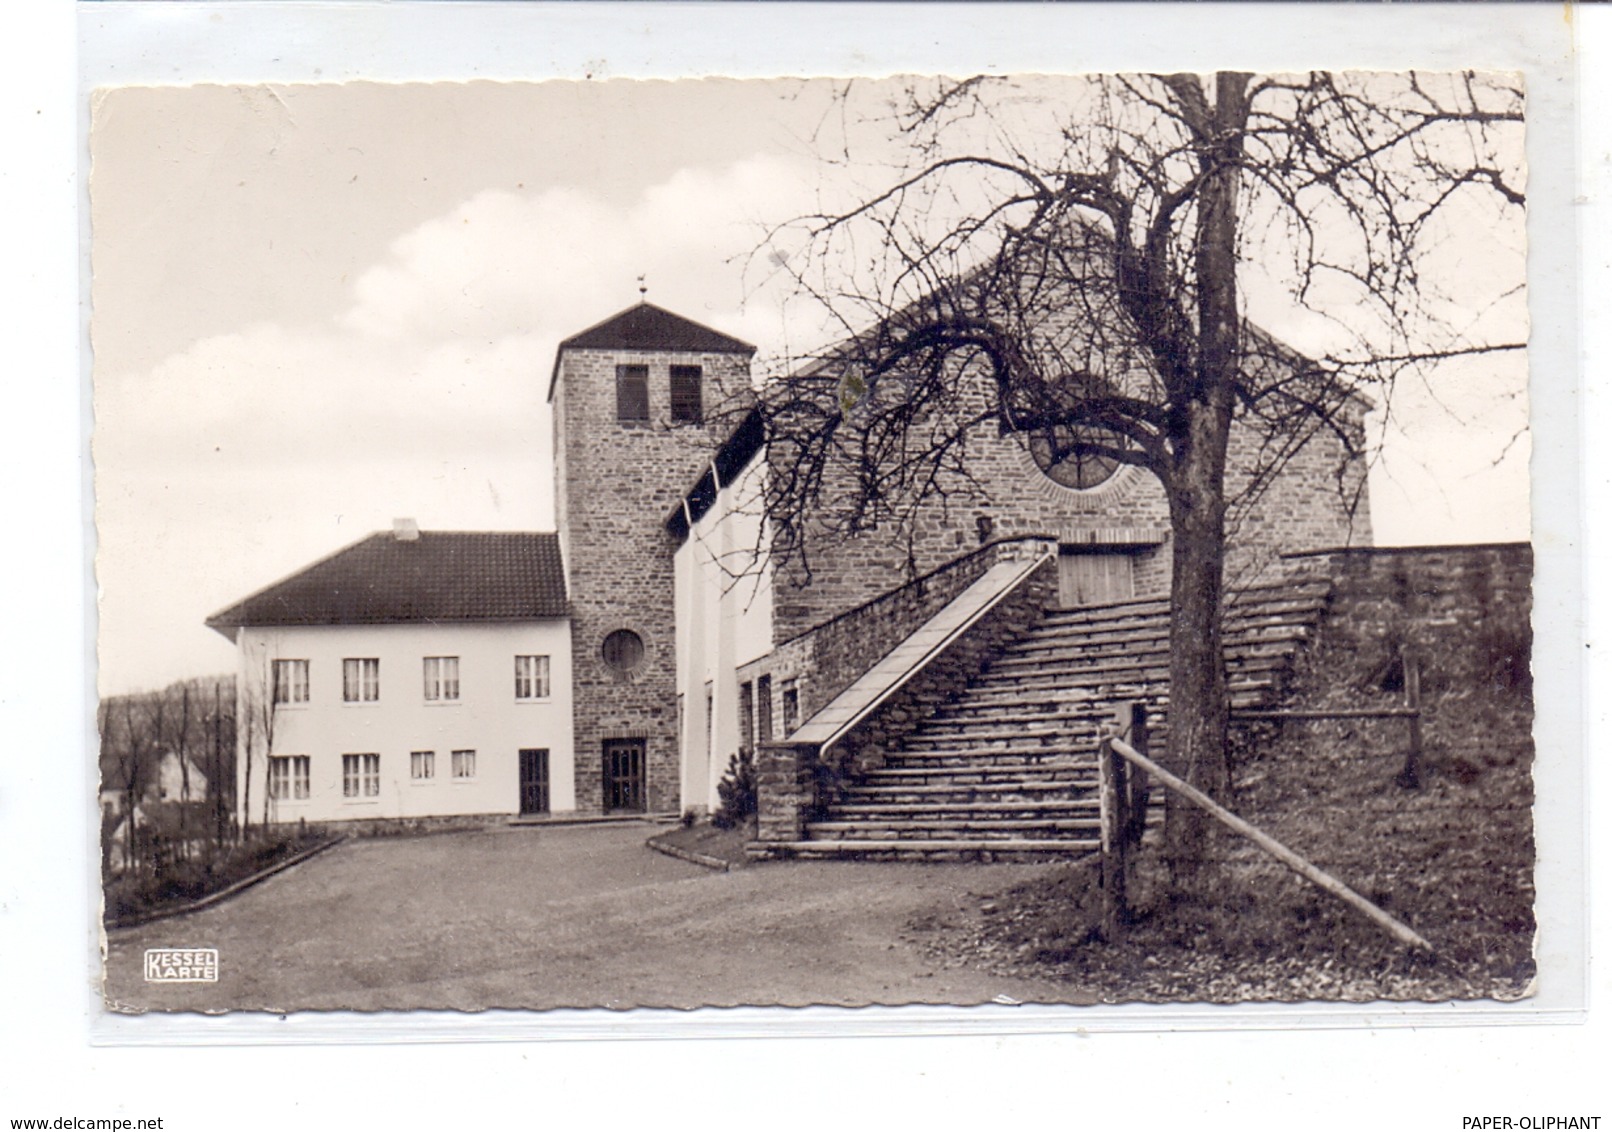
(249, 453)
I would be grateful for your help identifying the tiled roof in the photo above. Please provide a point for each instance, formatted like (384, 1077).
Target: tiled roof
(648, 327)
(440, 576)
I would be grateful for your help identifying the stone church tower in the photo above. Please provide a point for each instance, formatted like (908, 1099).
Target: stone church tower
(638, 402)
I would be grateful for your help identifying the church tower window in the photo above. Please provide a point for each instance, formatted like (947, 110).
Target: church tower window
(632, 393)
(623, 650)
(686, 404)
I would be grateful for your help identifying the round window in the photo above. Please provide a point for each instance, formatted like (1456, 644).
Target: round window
(623, 650)
(1064, 460)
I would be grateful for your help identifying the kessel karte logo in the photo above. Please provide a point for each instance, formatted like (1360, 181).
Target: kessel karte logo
(181, 965)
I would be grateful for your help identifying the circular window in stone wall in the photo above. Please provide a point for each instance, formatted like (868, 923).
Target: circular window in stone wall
(1062, 458)
(623, 650)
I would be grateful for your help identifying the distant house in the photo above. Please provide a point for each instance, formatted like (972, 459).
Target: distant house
(163, 790)
(413, 674)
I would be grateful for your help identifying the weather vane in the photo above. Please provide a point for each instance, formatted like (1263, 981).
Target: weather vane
(643, 288)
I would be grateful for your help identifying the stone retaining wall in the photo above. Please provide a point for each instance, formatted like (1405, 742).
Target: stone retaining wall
(793, 782)
(1462, 611)
(824, 661)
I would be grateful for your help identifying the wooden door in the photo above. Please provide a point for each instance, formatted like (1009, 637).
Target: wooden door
(624, 775)
(534, 781)
(1094, 578)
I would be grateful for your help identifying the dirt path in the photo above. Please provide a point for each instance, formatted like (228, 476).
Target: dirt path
(579, 916)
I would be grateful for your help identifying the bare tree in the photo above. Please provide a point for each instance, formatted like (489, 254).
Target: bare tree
(257, 712)
(1091, 259)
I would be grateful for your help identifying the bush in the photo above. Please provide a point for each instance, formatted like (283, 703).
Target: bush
(177, 882)
(736, 791)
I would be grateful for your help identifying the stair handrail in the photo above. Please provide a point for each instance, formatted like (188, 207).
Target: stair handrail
(1116, 745)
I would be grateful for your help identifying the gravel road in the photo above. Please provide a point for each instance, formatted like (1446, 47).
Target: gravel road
(580, 916)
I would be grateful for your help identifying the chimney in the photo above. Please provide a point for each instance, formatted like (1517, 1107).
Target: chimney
(405, 530)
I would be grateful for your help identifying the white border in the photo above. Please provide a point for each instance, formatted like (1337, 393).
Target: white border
(161, 43)
(1397, 1077)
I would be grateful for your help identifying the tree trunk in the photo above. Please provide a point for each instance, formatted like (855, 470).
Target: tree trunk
(1198, 703)
(1196, 488)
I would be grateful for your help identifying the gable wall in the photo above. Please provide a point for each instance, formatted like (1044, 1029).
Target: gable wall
(1301, 510)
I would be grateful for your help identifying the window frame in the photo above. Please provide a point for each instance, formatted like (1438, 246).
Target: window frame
(294, 783)
(764, 721)
(360, 680)
(632, 392)
(440, 677)
(789, 705)
(538, 681)
(611, 649)
(288, 677)
(747, 716)
(687, 403)
(425, 759)
(464, 765)
(361, 776)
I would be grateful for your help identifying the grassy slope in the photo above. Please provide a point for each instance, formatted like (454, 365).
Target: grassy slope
(1453, 859)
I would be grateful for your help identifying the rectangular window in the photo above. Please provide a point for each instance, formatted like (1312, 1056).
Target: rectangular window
(422, 765)
(710, 722)
(632, 393)
(686, 406)
(290, 681)
(747, 715)
(791, 703)
(361, 680)
(288, 777)
(441, 678)
(360, 776)
(764, 709)
(531, 677)
(464, 765)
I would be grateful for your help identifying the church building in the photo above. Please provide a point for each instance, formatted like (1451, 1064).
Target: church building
(617, 664)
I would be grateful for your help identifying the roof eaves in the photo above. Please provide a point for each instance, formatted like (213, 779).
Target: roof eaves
(218, 621)
(570, 343)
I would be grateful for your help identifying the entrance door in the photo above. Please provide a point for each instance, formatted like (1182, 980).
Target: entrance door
(534, 781)
(624, 775)
(1088, 577)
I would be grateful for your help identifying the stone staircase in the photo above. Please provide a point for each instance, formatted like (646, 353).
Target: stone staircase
(1007, 770)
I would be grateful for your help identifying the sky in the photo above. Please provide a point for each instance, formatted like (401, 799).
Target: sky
(316, 308)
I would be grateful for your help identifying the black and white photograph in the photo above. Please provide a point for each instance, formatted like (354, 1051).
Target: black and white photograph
(1020, 538)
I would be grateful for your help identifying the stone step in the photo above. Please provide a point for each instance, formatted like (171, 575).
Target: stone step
(1066, 736)
(959, 774)
(1245, 602)
(960, 849)
(1073, 651)
(1147, 667)
(846, 811)
(1298, 616)
(1001, 795)
(1030, 759)
(946, 829)
(1103, 699)
(1033, 699)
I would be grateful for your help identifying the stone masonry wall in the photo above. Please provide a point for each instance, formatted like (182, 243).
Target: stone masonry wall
(794, 782)
(826, 660)
(620, 481)
(1314, 503)
(942, 680)
(1463, 611)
